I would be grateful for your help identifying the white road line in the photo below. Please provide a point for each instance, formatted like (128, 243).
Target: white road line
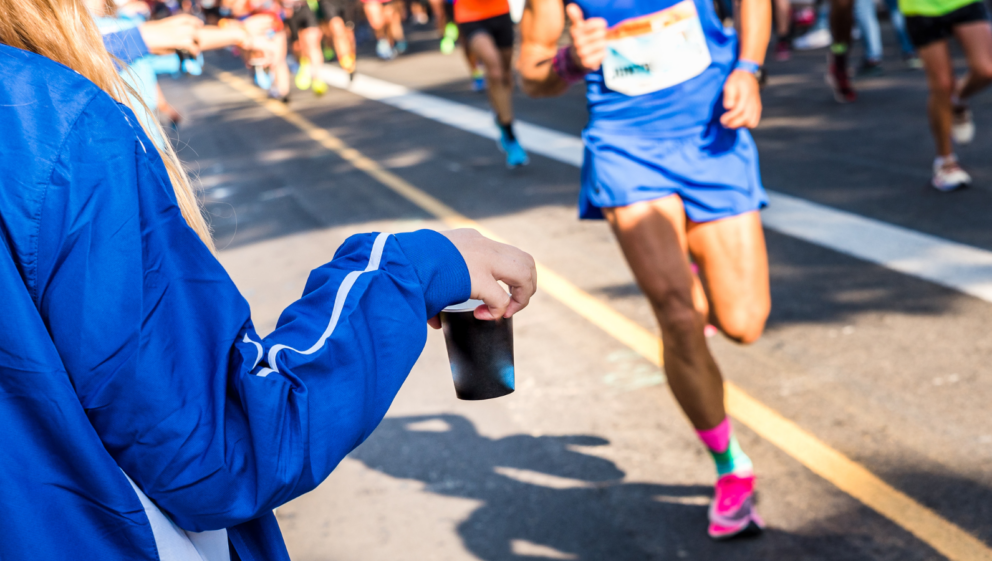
(951, 264)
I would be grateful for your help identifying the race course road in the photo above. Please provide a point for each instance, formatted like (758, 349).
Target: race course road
(591, 458)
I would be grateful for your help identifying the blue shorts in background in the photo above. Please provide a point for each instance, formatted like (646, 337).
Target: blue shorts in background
(715, 173)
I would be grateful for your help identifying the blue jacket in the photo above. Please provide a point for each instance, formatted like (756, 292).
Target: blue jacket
(141, 415)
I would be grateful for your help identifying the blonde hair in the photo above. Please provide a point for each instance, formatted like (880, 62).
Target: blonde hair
(63, 31)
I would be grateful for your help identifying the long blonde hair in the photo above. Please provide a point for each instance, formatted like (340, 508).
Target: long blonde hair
(63, 31)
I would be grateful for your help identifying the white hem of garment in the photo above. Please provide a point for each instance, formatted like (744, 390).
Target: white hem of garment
(174, 543)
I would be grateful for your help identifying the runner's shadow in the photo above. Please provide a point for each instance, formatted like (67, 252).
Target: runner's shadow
(543, 497)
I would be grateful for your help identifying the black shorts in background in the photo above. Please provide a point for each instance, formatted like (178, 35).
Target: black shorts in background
(500, 28)
(924, 30)
(330, 9)
(303, 18)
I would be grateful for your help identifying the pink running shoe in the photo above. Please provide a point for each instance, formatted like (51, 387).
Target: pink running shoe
(732, 511)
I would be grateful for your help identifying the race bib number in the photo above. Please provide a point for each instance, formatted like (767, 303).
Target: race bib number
(656, 51)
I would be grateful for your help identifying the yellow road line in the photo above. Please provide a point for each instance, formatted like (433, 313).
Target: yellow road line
(849, 476)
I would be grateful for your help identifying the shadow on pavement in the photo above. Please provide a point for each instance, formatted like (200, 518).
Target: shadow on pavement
(545, 498)
(948, 493)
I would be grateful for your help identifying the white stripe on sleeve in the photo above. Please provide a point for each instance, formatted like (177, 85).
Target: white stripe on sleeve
(339, 300)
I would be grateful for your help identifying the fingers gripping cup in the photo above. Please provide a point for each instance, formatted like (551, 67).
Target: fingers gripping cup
(480, 352)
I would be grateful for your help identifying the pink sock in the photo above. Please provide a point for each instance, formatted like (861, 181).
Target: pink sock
(717, 438)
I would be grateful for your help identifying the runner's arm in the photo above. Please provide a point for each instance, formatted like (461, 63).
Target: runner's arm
(214, 423)
(741, 94)
(552, 70)
(541, 26)
(756, 29)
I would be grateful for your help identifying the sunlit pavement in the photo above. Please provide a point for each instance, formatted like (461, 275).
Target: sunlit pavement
(591, 458)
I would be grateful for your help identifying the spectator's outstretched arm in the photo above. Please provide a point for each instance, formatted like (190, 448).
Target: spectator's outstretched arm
(165, 36)
(214, 423)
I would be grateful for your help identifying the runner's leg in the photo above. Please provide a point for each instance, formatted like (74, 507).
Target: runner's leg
(394, 14)
(280, 69)
(440, 18)
(500, 82)
(947, 172)
(474, 68)
(871, 37)
(653, 239)
(375, 13)
(940, 79)
(344, 44)
(841, 22)
(310, 39)
(733, 261)
(783, 27)
(976, 41)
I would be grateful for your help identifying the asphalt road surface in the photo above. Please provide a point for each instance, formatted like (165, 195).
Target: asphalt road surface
(591, 458)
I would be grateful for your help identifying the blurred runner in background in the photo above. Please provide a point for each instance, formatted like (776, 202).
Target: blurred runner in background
(841, 24)
(305, 20)
(340, 27)
(783, 29)
(669, 162)
(271, 72)
(931, 23)
(487, 30)
(386, 20)
(865, 12)
(444, 19)
(169, 46)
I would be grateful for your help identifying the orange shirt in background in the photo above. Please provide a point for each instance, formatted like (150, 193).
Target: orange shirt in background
(475, 10)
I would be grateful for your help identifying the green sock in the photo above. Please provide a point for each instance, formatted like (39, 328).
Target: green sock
(732, 460)
(839, 48)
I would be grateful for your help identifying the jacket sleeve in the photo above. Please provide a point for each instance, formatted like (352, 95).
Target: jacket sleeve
(127, 45)
(213, 422)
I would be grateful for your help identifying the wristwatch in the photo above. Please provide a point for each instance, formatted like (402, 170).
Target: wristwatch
(753, 68)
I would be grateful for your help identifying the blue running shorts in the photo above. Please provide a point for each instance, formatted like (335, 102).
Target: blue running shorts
(715, 173)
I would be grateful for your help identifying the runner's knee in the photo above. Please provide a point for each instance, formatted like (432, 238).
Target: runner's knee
(675, 312)
(495, 74)
(983, 72)
(942, 86)
(744, 324)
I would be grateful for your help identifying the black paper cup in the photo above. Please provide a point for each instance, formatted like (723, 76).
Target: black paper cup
(480, 352)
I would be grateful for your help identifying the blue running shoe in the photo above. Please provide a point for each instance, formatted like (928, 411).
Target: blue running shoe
(515, 155)
(478, 80)
(262, 78)
(384, 50)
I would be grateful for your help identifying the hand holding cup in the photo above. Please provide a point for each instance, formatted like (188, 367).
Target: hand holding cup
(488, 262)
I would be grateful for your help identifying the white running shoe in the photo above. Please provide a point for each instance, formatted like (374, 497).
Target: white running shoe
(816, 39)
(948, 175)
(962, 125)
